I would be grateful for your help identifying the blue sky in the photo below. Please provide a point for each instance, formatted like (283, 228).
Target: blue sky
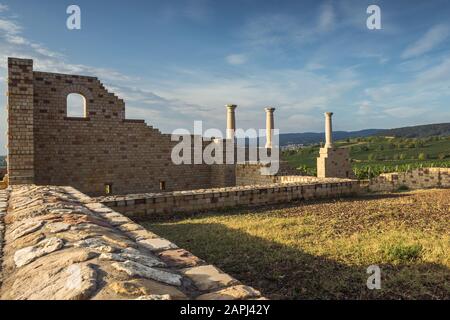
(178, 61)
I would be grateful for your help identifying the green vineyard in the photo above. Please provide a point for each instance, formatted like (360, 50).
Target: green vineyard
(372, 156)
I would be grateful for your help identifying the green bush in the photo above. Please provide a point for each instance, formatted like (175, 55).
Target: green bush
(403, 253)
(423, 156)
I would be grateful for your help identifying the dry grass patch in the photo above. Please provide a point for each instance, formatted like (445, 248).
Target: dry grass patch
(322, 249)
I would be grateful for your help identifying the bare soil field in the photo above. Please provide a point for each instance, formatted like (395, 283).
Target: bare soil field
(322, 249)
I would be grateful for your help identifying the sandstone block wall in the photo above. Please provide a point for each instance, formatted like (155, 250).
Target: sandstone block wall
(62, 245)
(414, 179)
(103, 148)
(334, 162)
(20, 121)
(164, 205)
(249, 173)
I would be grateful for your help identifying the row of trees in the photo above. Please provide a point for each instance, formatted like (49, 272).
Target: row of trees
(401, 156)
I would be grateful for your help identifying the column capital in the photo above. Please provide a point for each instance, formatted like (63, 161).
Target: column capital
(328, 114)
(269, 109)
(231, 107)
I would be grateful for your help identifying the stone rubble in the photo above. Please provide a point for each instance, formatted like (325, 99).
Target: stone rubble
(57, 243)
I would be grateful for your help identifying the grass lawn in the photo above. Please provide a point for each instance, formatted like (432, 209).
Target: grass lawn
(321, 250)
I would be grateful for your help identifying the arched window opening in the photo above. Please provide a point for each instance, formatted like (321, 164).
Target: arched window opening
(76, 105)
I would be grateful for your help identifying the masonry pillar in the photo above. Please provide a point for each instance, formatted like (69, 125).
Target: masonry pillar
(269, 126)
(333, 162)
(20, 157)
(328, 130)
(231, 120)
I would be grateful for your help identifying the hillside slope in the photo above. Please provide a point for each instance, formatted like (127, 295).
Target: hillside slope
(422, 131)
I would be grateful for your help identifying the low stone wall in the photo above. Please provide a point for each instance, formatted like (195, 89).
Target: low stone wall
(250, 174)
(163, 205)
(414, 179)
(60, 244)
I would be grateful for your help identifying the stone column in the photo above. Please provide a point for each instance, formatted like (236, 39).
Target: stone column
(231, 120)
(269, 126)
(328, 130)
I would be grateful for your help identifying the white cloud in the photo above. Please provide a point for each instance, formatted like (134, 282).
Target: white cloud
(236, 59)
(405, 112)
(3, 7)
(312, 66)
(326, 17)
(9, 27)
(291, 92)
(435, 36)
(419, 99)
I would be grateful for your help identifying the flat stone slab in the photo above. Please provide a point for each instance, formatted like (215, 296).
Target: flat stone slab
(74, 282)
(134, 256)
(154, 297)
(139, 235)
(208, 277)
(57, 227)
(157, 244)
(146, 287)
(136, 269)
(26, 228)
(95, 244)
(238, 292)
(29, 254)
(180, 258)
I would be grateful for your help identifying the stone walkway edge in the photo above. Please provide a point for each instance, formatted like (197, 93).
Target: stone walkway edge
(59, 244)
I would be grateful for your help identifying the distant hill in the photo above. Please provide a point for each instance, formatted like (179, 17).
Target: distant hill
(315, 137)
(422, 131)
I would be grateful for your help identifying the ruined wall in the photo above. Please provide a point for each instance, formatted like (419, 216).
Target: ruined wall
(165, 205)
(47, 147)
(250, 174)
(414, 179)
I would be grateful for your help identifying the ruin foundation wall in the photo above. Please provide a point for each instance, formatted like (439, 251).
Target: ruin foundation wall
(414, 179)
(164, 205)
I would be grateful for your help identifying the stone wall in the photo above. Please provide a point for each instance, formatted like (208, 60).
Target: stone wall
(414, 179)
(250, 174)
(89, 153)
(334, 162)
(62, 245)
(164, 205)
